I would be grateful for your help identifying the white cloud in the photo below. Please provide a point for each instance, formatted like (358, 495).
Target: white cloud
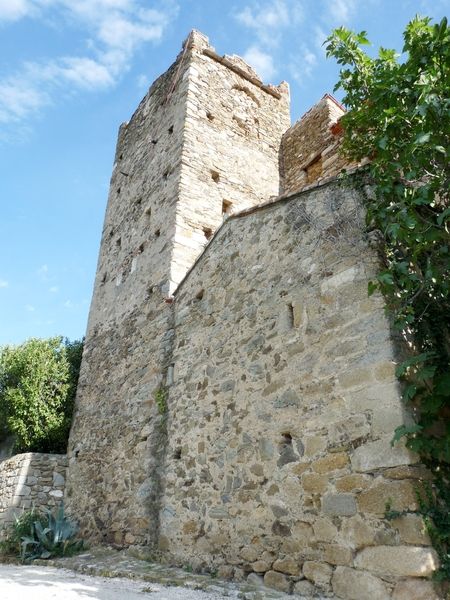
(29, 308)
(302, 65)
(54, 289)
(4, 283)
(113, 31)
(143, 81)
(269, 18)
(42, 271)
(341, 11)
(68, 304)
(13, 10)
(261, 62)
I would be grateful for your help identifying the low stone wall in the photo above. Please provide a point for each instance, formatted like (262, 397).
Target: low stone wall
(31, 479)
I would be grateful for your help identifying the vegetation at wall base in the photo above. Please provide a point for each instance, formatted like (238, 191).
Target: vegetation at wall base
(42, 535)
(399, 117)
(38, 382)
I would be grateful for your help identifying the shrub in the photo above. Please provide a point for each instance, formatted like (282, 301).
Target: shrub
(38, 382)
(42, 535)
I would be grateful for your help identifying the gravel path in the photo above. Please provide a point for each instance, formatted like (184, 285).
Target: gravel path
(47, 583)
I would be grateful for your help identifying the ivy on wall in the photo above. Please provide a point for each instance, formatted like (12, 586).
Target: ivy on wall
(399, 117)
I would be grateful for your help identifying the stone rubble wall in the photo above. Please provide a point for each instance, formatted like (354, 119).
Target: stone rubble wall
(282, 409)
(244, 424)
(310, 148)
(153, 232)
(31, 479)
(230, 157)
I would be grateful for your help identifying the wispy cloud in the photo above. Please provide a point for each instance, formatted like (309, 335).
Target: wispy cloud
(54, 289)
(68, 304)
(4, 283)
(42, 272)
(301, 67)
(341, 11)
(113, 31)
(13, 10)
(267, 21)
(29, 308)
(261, 61)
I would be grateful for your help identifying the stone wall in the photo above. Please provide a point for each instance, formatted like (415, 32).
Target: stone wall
(243, 424)
(31, 479)
(282, 409)
(168, 192)
(310, 148)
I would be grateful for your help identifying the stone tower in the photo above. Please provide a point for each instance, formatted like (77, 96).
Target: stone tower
(203, 143)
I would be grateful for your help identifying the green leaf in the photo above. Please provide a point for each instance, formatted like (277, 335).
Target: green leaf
(405, 430)
(371, 288)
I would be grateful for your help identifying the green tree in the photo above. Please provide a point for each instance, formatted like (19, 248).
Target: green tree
(399, 117)
(38, 382)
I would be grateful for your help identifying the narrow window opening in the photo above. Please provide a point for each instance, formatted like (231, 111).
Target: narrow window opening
(207, 232)
(290, 308)
(138, 201)
(157, 233)
(227, 207)
(286, 439)
(210, 116)
(103, 280)
(166, 174)
(118, 190)
(215, 176)
(154, 142)
(177, 454)
(141, 248)
(199, 295)
(170, 130)
(120, 156)
(119, 242)
(148, 211)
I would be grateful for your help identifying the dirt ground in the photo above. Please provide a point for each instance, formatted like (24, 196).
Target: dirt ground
(47, 583)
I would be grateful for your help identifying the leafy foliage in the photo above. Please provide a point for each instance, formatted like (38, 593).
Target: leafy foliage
(36, 535)
(38, 381)
(434, 506)
(399, 118)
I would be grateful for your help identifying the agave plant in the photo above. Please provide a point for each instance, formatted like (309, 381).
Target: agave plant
(51, 535)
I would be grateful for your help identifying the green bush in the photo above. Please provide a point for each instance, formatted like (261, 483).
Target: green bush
(38, 381)
(42, 535)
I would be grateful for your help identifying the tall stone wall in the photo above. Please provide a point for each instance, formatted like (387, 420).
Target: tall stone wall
(164, 204)
(310, 149)
(232, 135)
(282, 409)
(31, 479)
(117, 438)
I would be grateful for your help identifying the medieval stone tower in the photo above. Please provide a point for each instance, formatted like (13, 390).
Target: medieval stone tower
(237, 396)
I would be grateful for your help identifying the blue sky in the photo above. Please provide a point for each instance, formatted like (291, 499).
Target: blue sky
(72, 70)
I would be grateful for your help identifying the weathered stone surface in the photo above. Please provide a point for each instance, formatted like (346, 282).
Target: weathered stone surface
(339, 505)
(287, 565)
(332, 462)
(30, 480)
(401, 561)
(415, 589)
(357, 533)
(380, 454)
(277, 581)
(358, 585)
(236, 377)
(318, 573)
(401, 495)
(411, 529)
(337, 555)
(305, 588)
